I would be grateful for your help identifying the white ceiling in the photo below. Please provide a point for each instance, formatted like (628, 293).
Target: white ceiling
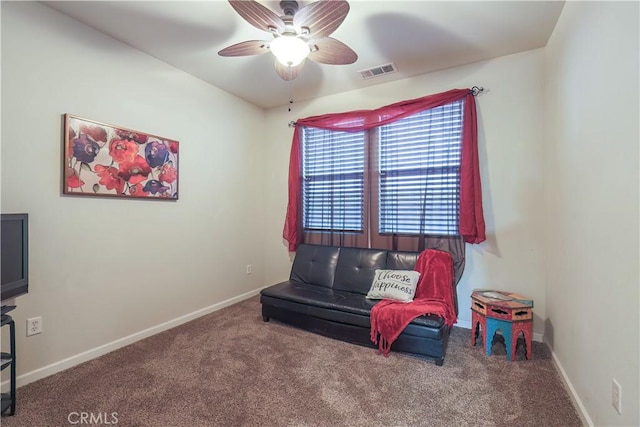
(419, 36)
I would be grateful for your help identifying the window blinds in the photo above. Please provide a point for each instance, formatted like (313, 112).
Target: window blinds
(416, 168)
(419, 172)
(333, 168)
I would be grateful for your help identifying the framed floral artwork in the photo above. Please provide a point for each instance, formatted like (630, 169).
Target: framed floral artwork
(105, 160)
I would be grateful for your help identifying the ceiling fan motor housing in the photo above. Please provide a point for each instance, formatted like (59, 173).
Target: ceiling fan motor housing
(293, 42)
(289, 7)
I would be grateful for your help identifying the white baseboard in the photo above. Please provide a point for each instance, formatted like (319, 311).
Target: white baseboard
(463, 324)
(577, 402)
(85, 356)
(467, 325)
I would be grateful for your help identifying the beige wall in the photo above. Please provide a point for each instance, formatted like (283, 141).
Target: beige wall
(104, 269)
(105, 272)
(510, 148)
(591, 204)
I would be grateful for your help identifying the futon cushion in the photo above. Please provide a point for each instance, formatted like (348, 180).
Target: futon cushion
(315, 265)
(340, 306)
(320, 296)
(356, 268)
(399, 260)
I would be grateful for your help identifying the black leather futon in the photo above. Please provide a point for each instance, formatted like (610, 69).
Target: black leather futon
(326, 293)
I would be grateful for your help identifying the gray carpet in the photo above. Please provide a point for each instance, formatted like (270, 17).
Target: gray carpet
(231, 369)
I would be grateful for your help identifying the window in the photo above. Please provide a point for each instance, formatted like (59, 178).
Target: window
(333, 165)
(419, 172)
(392, 177)
(409, 169)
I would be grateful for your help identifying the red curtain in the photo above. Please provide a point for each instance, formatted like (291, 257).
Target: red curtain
(471, 225)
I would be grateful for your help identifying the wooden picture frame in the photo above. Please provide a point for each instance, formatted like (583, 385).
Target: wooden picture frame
(112, 161)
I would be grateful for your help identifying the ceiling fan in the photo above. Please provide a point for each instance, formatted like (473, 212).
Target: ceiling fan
(297, 34)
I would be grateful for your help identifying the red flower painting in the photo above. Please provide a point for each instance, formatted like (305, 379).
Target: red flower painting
(109, 178)
(168, 173)
(123, 150)
(104, 160)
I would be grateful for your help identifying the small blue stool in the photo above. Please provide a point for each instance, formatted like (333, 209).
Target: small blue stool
(494, 325)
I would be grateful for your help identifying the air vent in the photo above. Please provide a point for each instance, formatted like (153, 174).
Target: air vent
(379, 70)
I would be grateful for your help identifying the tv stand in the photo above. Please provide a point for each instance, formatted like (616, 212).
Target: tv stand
(6, 308)
(9, 361)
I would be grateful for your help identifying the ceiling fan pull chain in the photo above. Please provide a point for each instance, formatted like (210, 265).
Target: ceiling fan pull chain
(290, 90)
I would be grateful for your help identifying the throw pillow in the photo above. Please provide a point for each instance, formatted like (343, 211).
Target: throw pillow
(397, 285)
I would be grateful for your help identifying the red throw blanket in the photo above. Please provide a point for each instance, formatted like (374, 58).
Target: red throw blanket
(434, 295)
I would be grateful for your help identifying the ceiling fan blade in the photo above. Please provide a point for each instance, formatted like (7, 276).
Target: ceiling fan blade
(331, 51)
(258, 15)
(250, 47)
(320, 18)
(286, 72)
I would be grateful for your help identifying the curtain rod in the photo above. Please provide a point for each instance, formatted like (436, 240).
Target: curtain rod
(475, 91)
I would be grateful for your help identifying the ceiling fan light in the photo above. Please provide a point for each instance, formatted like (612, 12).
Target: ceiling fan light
(289, 50)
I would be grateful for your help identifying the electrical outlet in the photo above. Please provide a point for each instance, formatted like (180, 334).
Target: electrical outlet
(249, 270)
(34, 326)
(616, 395)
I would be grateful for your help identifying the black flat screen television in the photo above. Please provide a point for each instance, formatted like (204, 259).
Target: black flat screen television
(14, 260)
